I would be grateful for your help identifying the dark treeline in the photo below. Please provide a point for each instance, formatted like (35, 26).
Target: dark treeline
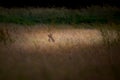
(57, 3)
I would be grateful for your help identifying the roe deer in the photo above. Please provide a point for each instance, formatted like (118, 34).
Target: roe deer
(50, 36)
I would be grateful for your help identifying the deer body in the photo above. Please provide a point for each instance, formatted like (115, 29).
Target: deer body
(50, 36)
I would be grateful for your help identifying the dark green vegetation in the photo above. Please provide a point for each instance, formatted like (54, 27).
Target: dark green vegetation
(30, 16)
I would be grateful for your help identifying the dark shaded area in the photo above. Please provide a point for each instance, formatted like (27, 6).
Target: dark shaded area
(57, 3)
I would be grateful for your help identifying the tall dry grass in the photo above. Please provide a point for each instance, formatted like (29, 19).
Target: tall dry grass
(76, 54)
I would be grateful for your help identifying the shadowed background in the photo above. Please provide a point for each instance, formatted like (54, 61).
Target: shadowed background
(57, 3)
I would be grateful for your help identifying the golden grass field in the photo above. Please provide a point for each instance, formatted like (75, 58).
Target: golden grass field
(76, 54)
